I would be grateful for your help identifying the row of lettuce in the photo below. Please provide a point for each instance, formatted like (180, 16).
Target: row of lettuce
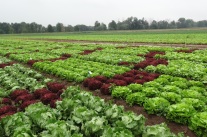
(176, 98)
(77, 69)
(180, 100)
(21, 86)
(19, 77)
(188, 65)
(25, 110)
(32, 50)
(79, 114)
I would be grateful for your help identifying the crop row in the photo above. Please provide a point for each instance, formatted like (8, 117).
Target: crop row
(182, 68)
(196, 56)
(79, 114)
(18, 77)
(5, 62)
(77, 70)
(178, 99)
(109, 58)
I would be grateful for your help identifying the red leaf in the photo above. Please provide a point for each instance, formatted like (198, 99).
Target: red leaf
(7, 114)
(103, 79)
(105, 89)
(7, 108)
(94, 84)
(17, 93)
(23, 98)
(53, 102)
(27, 103)
(55, 86)
(6, 101)
(118, 76)
(48, 97)
(120, 83)
(40, 92)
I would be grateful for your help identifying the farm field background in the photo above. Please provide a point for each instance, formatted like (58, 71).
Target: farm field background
(58, 80)
(176, 36)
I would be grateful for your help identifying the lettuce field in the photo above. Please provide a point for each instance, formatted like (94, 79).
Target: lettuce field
(59, 89)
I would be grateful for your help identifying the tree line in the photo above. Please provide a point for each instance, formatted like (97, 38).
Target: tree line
(131, 23)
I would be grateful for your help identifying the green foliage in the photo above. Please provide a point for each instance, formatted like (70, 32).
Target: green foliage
(156, 105)
(95, 126)
(196, 103)
(120, 92)
(132, 122)
(136, 98)
(180, 113)
(198, 124)
(150, 91)
(17, 124)
(117, 132)
(171, 97)
(135, 87)
(77, 69)
(160, 130)
(56, 129)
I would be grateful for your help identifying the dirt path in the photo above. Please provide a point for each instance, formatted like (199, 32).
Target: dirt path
(125, 43)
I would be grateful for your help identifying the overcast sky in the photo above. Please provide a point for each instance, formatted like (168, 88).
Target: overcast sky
(86, 12)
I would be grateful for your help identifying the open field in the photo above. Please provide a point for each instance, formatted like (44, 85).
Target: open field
(122, 89)
(183, 36)
(164, 81)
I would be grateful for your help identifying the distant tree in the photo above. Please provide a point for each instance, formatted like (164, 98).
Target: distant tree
(135, 24)
(143, 24)
(146, 24)
(83, 28)
(99, 26)
(181, 23)
(24, 27)
(103, 26)
(16, 27)
(69, 28)
(163, 24)
(41, 28)
(112, 25)
(190, 23)
(5, 28)
(50, 28)
(154, 25)
(60, 27)
(32, 27)
(76, 28)
(202, 23)
(129, 22)
(172, 25)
